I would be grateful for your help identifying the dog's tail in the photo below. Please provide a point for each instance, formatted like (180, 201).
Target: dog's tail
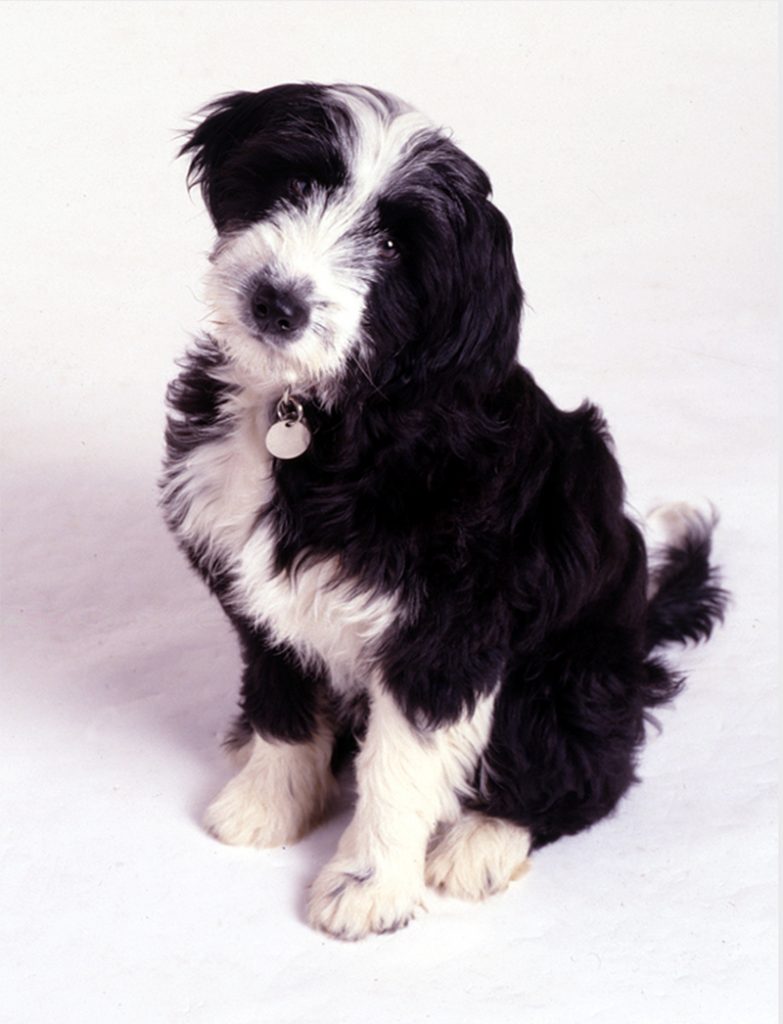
(685, 597)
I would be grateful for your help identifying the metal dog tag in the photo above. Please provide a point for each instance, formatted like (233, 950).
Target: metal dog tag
(287, 439)
(290, 436)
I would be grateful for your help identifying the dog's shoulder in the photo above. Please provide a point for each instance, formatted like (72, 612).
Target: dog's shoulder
(217, 474)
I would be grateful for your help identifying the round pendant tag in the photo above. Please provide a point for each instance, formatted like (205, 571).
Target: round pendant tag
(287, 439)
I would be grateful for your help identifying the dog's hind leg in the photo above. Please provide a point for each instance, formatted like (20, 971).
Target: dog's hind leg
(477, 855)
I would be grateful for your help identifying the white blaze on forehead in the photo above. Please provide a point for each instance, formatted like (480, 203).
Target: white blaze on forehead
(382, 139)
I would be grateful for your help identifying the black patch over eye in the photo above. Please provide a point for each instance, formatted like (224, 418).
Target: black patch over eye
(405, 225)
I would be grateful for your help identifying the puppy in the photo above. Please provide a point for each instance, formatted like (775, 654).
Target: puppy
(415, 547)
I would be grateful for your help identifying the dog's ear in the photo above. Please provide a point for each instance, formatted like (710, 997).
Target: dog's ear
(247, 142)
(475, 296)
(490, 316)
(225, 124)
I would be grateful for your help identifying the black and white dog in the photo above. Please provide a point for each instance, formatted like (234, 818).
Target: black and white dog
(416, 548)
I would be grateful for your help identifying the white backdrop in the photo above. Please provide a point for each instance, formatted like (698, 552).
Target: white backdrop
(633, 148)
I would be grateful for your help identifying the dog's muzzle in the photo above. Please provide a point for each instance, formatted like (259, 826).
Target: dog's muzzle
(281, 313)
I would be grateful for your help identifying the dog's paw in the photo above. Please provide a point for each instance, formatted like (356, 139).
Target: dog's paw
(350, 901)
(239, 817)
(282, 792)
(245, 814)
(477, 856)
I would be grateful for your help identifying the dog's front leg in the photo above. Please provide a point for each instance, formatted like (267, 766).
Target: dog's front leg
(281, 792)
(408, 780)
(285, 785)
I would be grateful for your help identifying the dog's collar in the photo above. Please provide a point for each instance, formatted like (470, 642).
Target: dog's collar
(289, 436)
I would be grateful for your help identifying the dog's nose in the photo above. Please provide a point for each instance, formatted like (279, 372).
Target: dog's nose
(278, 311)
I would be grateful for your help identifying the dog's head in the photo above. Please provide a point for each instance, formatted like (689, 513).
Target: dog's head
(353, 238)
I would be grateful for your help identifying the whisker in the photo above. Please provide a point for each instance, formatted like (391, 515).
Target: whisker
(365, 373)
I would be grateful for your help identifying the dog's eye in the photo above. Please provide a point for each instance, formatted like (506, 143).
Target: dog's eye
(298, 187)
(389, 248)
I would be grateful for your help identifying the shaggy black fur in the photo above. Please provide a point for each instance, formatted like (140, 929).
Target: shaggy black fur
(250, 145)
(449, 477)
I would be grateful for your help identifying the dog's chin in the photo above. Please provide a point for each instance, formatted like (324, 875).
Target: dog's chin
(304, 364)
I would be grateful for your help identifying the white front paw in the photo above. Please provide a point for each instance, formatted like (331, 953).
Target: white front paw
(351, 900)
(283, 790)
(237, 817)
(246, 814)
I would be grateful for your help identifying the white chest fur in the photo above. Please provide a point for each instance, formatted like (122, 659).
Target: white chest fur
(336, 623)
(219, 490)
